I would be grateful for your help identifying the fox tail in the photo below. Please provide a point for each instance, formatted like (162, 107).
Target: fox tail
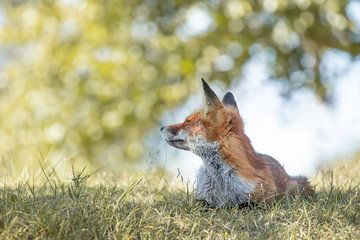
(300, 184)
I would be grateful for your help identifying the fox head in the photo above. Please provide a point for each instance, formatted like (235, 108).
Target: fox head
(208, 128)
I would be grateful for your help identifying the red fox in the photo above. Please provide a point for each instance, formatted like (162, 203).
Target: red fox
(233, 172)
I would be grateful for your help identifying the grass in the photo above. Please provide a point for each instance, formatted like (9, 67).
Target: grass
(149, 207)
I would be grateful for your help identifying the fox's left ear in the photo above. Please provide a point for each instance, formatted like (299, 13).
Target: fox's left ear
(229, 100)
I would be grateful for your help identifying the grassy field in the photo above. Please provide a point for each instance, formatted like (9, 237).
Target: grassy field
(148, 206)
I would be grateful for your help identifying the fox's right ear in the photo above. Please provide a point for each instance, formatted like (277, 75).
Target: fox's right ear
(229, 100)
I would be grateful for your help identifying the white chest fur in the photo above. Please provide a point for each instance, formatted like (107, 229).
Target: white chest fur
(217, 183)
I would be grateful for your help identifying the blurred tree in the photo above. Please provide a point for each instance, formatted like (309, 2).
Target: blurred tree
(91, 77)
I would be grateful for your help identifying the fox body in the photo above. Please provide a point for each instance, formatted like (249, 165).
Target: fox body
(232, 172)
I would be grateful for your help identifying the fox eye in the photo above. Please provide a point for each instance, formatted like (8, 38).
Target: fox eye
(187, 120)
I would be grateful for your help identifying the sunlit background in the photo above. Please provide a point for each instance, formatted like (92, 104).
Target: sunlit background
(88, 83)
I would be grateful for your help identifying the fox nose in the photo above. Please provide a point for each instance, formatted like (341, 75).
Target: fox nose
(162, 128)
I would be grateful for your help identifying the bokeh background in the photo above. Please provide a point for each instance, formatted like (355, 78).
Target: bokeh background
(88, 83)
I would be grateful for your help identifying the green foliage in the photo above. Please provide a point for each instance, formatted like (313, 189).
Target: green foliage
(90, 78)
(151, 208)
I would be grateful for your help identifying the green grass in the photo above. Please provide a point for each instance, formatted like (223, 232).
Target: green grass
(149, 207)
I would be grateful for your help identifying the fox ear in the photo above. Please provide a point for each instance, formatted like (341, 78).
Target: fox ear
(229, 100)
(212, 100)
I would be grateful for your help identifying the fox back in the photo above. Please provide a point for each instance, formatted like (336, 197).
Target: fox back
(232, 172)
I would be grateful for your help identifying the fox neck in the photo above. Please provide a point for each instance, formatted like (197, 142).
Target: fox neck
(234, 153)
(210, 155)
(236, 150)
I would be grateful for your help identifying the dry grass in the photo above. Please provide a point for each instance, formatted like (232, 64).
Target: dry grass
(151, 208)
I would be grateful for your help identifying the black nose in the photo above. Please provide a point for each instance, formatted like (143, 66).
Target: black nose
(162, 128)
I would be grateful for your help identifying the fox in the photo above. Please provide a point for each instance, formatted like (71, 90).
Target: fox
(232, 172)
